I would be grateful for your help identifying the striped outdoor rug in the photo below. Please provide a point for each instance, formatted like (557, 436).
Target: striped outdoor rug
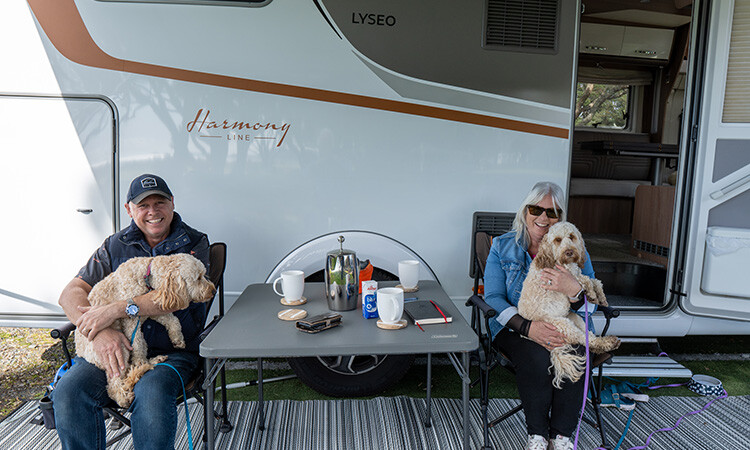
(396, 423)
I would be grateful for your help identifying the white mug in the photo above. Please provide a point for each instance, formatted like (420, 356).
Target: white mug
(390, 304)
(408, 273)
(292, 284)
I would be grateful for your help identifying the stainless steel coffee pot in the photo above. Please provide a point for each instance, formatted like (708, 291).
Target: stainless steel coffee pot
(342, 278)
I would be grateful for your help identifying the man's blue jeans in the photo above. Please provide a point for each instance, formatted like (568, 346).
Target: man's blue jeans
(81, 393)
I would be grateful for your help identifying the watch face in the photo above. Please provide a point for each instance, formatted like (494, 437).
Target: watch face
(132, 310)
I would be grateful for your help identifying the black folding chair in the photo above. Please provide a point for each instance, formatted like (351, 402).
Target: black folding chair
(487, 225)
(217, 257)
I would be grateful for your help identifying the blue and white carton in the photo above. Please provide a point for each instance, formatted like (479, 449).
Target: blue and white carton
(369, 299)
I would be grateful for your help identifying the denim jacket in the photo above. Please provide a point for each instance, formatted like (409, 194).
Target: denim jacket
(506, 269)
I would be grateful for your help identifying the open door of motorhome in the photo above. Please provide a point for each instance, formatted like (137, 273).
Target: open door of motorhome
(712, 241)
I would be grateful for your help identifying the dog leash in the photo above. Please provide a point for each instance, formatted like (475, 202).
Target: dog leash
(184, 399)
(147, 279)
(135, 330)
(700, 384)
(586, 373)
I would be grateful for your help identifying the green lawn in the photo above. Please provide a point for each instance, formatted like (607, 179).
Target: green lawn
(445, 382)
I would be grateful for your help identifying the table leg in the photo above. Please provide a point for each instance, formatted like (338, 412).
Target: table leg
(428, 419)
(465, 382)
(261, 413)
(208, 410)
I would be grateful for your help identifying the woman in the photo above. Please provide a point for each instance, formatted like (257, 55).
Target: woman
(551, 414)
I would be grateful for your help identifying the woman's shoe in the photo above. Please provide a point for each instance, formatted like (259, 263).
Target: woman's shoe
(611, 398)
(631, 391)
(536, 442)
(560, 443)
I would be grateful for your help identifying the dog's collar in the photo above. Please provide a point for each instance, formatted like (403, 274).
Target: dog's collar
(147, 277)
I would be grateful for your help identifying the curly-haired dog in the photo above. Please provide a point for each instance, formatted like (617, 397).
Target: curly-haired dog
(563, 245)
(177, 279)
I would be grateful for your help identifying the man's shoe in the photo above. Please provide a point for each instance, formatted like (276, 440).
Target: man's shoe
(536, 442)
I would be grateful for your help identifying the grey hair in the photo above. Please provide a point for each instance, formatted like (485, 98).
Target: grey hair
(536, 195)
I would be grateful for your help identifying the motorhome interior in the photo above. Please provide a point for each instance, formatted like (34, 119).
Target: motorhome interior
(631, 78)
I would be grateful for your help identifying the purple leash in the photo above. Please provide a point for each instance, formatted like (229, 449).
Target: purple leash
(677, 424)
(586, 374)
(648, 439)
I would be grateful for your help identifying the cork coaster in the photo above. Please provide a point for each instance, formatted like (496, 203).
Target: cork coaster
(414, 289)
(292, 314)
(286, 302)
(392, 326)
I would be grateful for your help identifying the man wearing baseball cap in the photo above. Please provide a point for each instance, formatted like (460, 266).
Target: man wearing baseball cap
(78, 398)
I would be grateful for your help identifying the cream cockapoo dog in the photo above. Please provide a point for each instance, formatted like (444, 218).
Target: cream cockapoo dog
(563, 245)
(177, 279)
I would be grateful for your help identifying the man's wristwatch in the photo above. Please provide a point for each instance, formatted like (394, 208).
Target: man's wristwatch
(132, 309)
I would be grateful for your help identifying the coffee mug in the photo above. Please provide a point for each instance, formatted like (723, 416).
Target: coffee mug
(390, 304)
(408, 273)
(292, 284)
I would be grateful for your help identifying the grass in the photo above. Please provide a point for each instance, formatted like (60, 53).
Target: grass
(446, 384)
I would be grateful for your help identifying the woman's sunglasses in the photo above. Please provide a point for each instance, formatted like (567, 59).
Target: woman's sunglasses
(552, 213)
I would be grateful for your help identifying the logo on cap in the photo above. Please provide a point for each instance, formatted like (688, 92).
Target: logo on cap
(148, 182)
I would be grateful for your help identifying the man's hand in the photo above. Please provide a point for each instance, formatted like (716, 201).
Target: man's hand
(108, 345)
(546, 335)
(96, 318)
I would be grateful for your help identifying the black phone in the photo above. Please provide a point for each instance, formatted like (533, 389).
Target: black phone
(319, 322)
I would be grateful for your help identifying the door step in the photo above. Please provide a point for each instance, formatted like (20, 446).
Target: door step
(643, 366)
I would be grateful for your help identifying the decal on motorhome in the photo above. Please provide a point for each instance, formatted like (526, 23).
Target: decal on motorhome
(373, 19)
(202, 122)
(63, 25)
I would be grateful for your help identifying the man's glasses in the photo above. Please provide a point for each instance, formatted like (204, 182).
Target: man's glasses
(552, 213)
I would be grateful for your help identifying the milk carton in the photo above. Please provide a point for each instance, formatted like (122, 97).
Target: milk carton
(369, 299)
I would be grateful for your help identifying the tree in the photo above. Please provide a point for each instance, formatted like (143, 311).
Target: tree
(602, 105)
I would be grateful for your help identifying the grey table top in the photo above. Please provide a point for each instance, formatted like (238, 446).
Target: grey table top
(251, 329)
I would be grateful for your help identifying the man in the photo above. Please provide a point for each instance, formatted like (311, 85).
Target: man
(79, 396)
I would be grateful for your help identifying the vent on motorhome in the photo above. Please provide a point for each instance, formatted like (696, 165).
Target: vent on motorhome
(648, 247)
(521, 25)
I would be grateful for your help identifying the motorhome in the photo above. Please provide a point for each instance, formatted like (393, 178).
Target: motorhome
(281, 125)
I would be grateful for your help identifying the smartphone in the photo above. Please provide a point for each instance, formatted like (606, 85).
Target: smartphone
(319, 322)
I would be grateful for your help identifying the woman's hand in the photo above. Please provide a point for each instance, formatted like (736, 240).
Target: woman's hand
(546, 335)
(560, 279)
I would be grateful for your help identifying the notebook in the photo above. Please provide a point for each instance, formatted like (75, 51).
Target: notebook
(425, 312)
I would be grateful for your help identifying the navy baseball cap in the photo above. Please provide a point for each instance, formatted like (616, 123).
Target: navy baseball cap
(146, 185)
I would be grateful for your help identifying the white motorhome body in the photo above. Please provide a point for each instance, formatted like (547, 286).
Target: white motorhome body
(283, 124)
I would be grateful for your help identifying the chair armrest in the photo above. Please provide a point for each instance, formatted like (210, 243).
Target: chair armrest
(609, 314)
(479, 302)
(63, 332)
(209, 328)
(608, 311)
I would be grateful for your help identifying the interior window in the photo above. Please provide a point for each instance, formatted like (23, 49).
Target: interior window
(602, 106)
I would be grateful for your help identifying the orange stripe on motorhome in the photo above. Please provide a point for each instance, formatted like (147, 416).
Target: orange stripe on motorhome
(64, 27)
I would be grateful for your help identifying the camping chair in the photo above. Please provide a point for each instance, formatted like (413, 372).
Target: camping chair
(486, 226)
(217, 256)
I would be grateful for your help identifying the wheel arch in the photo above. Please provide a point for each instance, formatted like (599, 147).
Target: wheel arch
(383, 252)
